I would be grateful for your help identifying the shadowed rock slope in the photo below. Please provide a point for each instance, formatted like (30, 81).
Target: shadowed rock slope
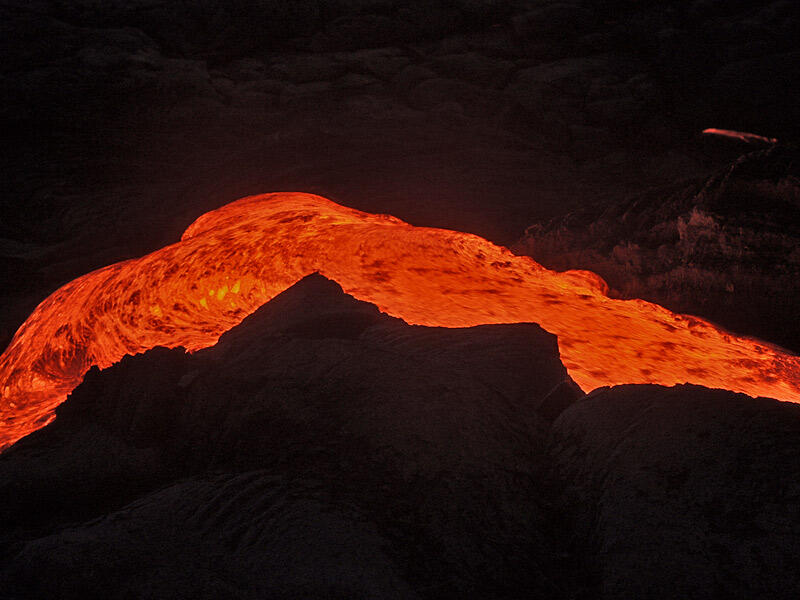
(321, 449)
(684, 492)
(325, 450)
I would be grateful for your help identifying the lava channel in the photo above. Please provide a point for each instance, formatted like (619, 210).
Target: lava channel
(234, 259)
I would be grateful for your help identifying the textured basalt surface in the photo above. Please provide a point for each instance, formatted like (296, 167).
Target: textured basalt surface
(325, 450)
(320, 449)
(727, 249)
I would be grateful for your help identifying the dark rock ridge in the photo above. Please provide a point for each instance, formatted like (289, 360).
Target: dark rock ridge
(320, 449)
(323, 449)
(684, 492)
(727, 248)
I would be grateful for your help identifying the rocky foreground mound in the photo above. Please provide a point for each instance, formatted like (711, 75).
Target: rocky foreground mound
(325, 450)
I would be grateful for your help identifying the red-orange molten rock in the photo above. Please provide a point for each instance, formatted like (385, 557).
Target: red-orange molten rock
(234, 259)
(741, 136)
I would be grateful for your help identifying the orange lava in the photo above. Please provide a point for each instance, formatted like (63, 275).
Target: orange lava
(742, 136)
(234, 259)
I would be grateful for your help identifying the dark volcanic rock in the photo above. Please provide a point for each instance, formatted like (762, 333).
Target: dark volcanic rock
(323, 449)
(685, 492)
(320, 449)
(250, 535)
(727, 249)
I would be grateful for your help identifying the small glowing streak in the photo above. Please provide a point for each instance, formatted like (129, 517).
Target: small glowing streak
(155, 310)
(742, 136)
(210, 292)
(236, 287)
(221, 292)
(203, 302)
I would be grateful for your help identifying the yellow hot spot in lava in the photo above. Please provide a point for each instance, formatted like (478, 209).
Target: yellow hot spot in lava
(155, 310)
(422, 275)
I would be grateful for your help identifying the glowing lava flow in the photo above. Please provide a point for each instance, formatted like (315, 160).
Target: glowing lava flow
(232, 260)
(742, 136)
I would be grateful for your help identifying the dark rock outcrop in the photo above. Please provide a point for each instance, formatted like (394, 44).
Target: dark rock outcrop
(727, 249)
(320, 449)
(323, 449)
(684, 492)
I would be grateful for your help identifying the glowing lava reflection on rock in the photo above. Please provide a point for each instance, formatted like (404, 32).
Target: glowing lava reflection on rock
(234, 259)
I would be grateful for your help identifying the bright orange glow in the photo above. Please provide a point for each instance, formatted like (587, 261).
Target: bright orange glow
(742, 136)
(234, 259)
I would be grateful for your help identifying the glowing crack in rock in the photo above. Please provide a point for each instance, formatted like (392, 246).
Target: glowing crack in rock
(234, 259)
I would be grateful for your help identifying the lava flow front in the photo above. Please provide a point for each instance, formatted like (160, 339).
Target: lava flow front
(234, 259)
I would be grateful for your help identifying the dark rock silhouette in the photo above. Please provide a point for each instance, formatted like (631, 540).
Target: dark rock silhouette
(725, 248)
(684, 492)
(323, 449)
(320, 449)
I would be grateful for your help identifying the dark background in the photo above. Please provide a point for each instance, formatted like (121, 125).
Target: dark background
(124, 121)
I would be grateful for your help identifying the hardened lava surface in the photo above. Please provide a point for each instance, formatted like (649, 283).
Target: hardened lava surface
(234, 259)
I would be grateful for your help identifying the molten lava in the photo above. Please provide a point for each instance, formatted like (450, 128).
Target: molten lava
(741, 136)
(234, 259)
